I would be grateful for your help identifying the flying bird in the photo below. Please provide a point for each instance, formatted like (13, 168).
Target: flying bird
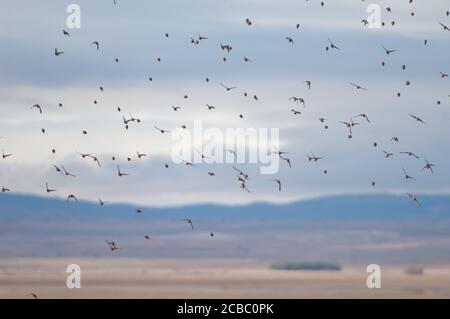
(387, 154)
(363, 115)
(387, 51)
(312, 157)
(5, 155)
(65, 172)
(278, 182)
(234, 154)
(161, 130)
(188, 163)
(112, 245)
(332, 45)
(58, 53)
(308, 84)
(287, 160)
(71, 196)
(228, 88)
(95, 159)
(414, 199)
(298, 100)
(97, 45)
(189, 221)
(428, 166)
(119, 172)
(358, 87)
(410, 154)
(407, 177)
(444, 26)
(49, 190)
(37, 106)
(140, 155)
(58, 169)
(418, 119)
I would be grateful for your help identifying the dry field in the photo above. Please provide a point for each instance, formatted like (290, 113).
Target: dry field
(146, 278)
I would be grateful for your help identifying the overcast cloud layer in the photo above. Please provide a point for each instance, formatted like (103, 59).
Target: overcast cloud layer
(133, 32)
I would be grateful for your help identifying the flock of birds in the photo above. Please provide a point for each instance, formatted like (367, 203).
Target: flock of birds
(242, 177)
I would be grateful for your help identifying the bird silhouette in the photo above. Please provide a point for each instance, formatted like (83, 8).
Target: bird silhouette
(96, 44)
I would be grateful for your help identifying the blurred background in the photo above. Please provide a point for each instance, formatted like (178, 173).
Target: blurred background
(324, 228)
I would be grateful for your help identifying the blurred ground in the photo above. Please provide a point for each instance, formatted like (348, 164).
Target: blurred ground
(165, 278)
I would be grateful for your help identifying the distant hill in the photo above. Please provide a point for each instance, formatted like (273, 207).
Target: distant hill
(335, 208)
(342, 229)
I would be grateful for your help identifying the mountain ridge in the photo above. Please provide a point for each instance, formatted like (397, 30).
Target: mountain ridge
(358, 206)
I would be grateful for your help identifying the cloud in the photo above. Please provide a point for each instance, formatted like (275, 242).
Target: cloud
(135, 34)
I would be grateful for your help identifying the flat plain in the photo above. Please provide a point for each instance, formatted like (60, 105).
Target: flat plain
(167, 278)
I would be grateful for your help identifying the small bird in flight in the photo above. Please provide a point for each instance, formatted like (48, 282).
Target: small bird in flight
(312, 157)
(65, 172)
(112, 245)
(410, 154)
(119, 172)
(189, 221)
(387, 51)
(428, 166)
(5, 155)
(228, 88)
(58, 53)
(363, 115)
(308, 84)
(278, 182)
(161, 130)
(414, 199)
(188, 163)
(49, 190)
(358, 87)
(287, 160)
(57, 169)
(97, 45)
(37, 106)
(101, 202)
(241, 173)
(71, 196)
(444, 26)
(407, 177)
(234, 154)
(141, 155)
(298, 100)
(387, 155)
(418, 119)
(332, 45)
